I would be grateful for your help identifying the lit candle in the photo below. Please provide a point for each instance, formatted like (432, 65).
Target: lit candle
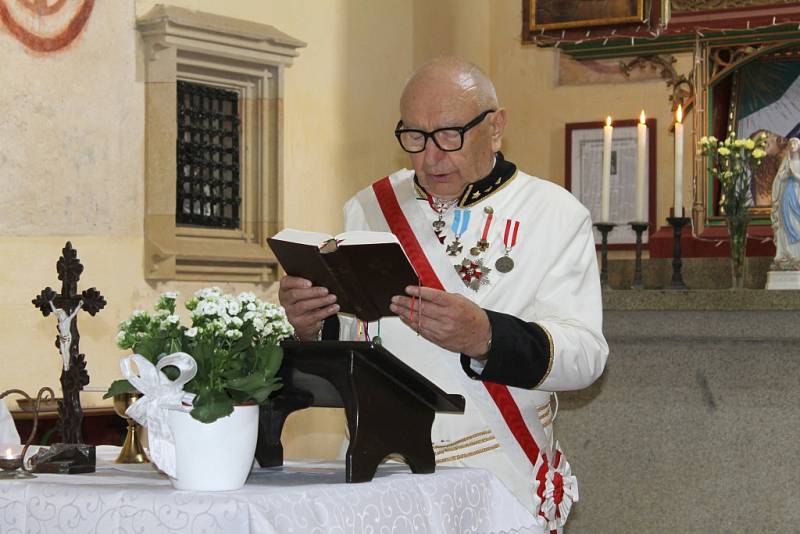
(605, 188)
(641, 151)
(11, 459)
(678, 209)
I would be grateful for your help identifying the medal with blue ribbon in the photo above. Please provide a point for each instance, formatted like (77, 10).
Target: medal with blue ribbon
(459, 226)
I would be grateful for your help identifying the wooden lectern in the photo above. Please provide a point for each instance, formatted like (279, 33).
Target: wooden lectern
(389, 406)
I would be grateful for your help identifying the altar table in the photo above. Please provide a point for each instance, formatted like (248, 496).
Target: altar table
(307, 497)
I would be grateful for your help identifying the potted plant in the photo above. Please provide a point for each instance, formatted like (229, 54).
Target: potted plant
(731, 163)
(224, 365)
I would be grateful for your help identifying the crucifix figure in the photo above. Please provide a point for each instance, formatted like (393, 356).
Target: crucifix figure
(65, 306)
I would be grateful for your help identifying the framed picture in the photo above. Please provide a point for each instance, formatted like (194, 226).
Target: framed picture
(583, 169)
(767, 100)
(561, 14)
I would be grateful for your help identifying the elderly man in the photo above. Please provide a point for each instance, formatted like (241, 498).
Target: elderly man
(509, 305)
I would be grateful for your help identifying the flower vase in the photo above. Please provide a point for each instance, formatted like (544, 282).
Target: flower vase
(737, 230)
(214, 456)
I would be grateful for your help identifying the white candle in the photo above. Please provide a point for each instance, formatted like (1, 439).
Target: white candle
(678, 209)
(605, 188)
(641, 154)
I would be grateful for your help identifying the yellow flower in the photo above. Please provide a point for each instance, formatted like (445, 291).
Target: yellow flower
(758, 153)
(724, 151)
(738, 143)
(750, 144)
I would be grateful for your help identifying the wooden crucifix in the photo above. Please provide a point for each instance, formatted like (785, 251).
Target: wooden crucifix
(65, 306)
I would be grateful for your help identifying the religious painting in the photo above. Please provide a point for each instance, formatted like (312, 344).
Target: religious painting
(766, 100)
(583, 175)
(595, 71)
(558, 14)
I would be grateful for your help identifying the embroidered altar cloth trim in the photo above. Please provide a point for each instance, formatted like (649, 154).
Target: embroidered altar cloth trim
(300, 497)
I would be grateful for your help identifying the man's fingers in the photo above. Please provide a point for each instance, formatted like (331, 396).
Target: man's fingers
(309, 305)
(428, 294)
(296, 295)
(294, 282)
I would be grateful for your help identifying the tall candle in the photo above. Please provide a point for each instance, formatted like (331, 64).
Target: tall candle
(641, 154)
(605, 188)
(678, 210)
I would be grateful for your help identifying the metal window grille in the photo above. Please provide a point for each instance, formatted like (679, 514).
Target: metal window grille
(208, 184)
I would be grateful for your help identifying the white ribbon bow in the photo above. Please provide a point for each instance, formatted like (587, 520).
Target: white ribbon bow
(159, 395)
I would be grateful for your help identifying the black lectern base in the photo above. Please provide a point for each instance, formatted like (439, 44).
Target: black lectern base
(389, 406)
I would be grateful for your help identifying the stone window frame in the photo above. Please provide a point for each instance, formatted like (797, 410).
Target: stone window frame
(233, 54)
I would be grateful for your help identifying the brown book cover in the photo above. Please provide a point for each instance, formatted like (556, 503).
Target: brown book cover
(363, 269)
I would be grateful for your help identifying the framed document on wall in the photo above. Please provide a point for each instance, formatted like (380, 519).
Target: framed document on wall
(583, 173)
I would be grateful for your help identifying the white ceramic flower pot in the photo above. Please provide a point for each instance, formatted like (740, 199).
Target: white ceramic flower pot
(214, 456)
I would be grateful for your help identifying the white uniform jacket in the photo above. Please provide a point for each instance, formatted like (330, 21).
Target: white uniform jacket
(554, 285)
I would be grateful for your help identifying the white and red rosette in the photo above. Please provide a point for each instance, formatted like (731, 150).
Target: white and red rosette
(556, 489)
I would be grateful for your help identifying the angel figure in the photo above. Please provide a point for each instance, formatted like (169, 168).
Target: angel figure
(65, 330)
(786, 211)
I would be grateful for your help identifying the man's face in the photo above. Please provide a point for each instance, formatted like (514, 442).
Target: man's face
(430, 107)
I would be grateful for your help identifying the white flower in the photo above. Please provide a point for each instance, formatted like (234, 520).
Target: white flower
(237, 322)
(233, 334)
(191, 332)
(120, 335)
(247, 296)
(173, 319)
(258, 323)
(137, 313)
(233, 307)
(172, 295)
(250, 306)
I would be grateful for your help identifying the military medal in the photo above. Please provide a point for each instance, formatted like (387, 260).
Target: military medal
(459, 226)
(474, 274)
(440, 207)
(505, 264)
(482, 245)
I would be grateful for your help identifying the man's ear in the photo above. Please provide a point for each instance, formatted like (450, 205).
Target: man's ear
(498, 122)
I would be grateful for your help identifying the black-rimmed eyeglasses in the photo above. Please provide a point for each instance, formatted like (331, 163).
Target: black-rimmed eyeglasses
(447, 139)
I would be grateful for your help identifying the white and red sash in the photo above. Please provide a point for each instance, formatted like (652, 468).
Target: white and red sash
(521, 436)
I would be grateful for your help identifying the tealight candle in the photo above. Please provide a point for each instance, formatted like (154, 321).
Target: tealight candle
(11, 458)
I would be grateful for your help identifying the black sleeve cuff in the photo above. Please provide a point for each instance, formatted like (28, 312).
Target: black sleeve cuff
(330, 328)
(521, 353)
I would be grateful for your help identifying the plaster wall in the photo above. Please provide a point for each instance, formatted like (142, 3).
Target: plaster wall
(72, 167)
(72, 151)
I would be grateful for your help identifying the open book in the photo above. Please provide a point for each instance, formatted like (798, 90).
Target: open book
(363, 269)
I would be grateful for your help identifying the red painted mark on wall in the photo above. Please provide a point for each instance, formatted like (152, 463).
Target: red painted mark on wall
(45, 25)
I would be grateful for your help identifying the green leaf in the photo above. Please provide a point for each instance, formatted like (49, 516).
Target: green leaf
(210, 405)
(150, 348)
(262, 395)
(246, 383)
(119, 386)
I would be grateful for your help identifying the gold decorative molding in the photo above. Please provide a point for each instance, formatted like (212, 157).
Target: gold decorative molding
(682, 85)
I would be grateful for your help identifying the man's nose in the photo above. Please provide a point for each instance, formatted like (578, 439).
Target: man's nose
(432, 152)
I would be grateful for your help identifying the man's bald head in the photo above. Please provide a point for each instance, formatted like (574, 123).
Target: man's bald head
(452, 95)
(453, 76)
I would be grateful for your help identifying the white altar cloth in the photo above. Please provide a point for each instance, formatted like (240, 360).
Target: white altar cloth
(298, 498)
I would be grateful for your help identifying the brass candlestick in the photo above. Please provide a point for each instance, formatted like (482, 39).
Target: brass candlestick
(14, 466)
(132, 451)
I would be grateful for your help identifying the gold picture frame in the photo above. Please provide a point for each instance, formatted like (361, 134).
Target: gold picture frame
(563, 14)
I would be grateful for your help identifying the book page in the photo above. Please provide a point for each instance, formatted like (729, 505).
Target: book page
(365, 237)
(316, 239)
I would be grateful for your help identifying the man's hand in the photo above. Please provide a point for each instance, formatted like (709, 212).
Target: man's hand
(306, 306)
(449, 320)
